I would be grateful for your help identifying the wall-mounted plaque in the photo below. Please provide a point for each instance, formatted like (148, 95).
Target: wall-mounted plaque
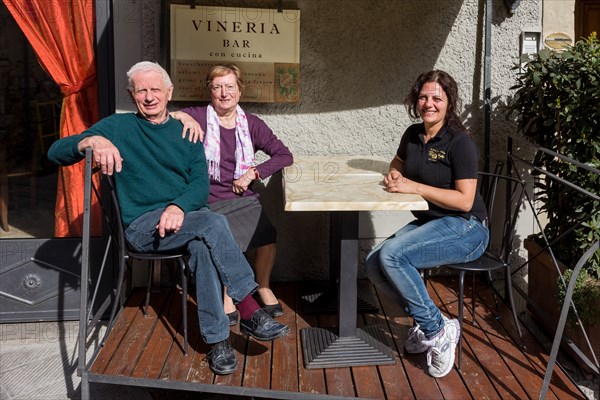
(558, 41)
(264, 43)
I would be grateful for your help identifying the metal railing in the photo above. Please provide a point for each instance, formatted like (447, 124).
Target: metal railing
(516, 164)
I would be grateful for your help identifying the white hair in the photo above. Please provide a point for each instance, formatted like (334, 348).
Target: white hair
(145, 66)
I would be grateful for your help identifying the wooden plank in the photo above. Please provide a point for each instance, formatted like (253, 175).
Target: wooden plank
(239, 343)
(366, 378)
(178, 364)
(198, 368)
(367, 382)
(493, 365)
(284, 375)
(394, 381)
(118, 332)
(257, 370)
(451, 385)
(477, 381)
(415, 365)
(309, 380)
(519, 369)
(530, 378)
(561, 385)
(339, 380)
(153, 358)
(137, 337)
(484, 371)
(199, 371)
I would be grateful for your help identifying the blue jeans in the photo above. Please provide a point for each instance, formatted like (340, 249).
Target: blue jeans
(393, 266)
(215, 260)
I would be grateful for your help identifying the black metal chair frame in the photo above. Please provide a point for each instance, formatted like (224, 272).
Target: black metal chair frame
(125, 254)
(494, 258)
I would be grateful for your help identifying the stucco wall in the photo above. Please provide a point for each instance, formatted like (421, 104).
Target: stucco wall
(358, 59)
(558, 17)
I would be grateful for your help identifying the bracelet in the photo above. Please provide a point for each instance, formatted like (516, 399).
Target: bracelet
(256, 176)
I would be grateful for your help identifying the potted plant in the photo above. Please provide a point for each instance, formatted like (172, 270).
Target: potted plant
(557, 106)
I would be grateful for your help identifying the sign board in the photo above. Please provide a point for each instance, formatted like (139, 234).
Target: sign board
(558, 41)
(263, 43)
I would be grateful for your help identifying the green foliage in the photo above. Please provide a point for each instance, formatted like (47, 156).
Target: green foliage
(557, 105)
(585, 297)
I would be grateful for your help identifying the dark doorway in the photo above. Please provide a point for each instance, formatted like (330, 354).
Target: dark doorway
(587, 18)
(30, 105)
(39, 274)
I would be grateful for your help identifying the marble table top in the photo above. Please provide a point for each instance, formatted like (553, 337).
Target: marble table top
(342, 183)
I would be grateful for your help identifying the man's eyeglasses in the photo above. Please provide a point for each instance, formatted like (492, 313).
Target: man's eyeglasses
(226, 88)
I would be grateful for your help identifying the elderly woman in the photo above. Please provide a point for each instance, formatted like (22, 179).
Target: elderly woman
(231, 139)
(437, 159)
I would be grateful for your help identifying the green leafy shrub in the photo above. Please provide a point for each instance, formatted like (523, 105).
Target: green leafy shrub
(557, 106)
(585, 296)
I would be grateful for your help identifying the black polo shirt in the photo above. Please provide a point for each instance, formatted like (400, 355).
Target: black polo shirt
(440, 162)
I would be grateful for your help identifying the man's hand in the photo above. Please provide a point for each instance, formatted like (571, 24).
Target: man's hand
(189, 125)
(106, 154)
(170, 220)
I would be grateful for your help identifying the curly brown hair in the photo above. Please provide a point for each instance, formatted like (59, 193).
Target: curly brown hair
(448, 84)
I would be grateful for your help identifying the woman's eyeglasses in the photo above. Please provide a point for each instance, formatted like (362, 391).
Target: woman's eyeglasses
(226, 88)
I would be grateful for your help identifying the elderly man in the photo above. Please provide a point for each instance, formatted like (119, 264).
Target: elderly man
(162, 185)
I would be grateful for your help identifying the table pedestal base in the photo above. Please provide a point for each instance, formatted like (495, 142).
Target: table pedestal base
(322, 348)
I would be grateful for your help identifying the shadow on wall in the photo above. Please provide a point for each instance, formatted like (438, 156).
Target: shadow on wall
(361, 53)
(302, 237)
(361, 56)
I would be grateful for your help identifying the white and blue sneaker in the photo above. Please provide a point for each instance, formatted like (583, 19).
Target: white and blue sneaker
(440, 355)
(415, 342)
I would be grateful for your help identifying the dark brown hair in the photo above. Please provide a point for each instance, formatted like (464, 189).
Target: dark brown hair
(450, 87)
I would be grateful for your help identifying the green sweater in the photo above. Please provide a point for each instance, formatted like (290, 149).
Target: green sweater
(159, 167)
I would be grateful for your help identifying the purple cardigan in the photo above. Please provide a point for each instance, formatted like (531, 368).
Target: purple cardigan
(263, 139)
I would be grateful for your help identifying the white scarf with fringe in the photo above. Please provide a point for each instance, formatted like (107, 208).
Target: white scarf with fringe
(244, 150)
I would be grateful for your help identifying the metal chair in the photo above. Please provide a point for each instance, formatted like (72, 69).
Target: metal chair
(494, 257)
(48, 122)
(125, 254)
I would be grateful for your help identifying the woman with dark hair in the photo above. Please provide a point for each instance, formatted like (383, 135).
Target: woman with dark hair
(231, 138)
(437, 159)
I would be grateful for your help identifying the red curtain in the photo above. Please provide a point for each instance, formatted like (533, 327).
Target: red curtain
(61, 33)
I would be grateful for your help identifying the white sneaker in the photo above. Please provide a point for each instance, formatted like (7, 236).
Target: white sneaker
(415, 342)
(440, 356)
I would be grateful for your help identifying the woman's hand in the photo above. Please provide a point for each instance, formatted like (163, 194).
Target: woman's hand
(170, 220)
(396, 183)
(460, 198)
(241, 185)
(189, 125)
(392, 175)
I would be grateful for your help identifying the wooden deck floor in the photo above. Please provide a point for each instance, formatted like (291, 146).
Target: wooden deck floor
(141, 351)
